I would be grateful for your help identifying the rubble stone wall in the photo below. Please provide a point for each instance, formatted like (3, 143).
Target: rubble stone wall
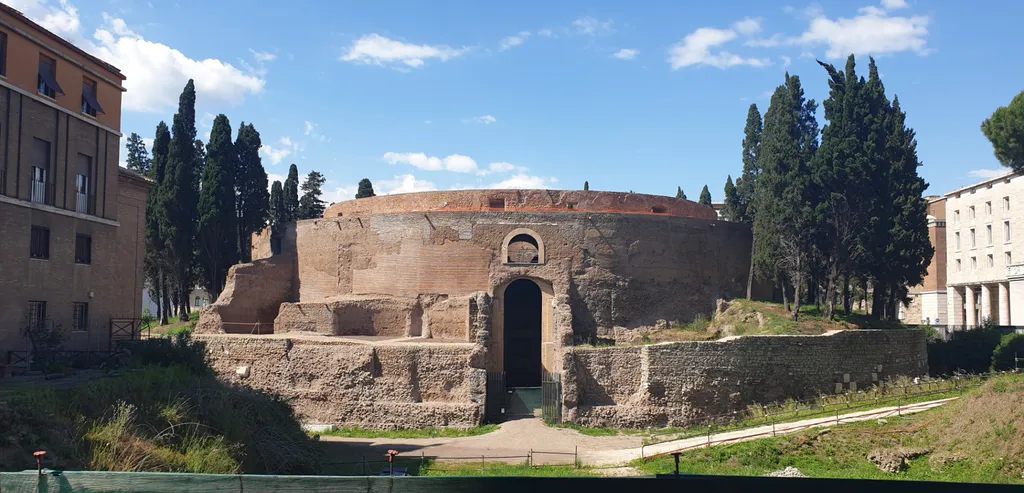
(674, 384)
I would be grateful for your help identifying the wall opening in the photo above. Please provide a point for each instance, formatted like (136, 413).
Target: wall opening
(498, 203)
(659, 209)
(522, 338)
(523, 249)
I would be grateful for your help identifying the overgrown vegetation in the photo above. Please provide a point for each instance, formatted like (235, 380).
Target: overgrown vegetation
(974, 351)
(430, 432)
(169, 415)
(974, 439)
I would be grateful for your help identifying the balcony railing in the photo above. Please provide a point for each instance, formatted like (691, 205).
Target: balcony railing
(42, 192)
(85, 203)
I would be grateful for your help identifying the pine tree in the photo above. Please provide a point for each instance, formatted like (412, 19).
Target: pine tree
(680, 194)
(216, 237)
(705, 196)
(155, 257)
(138, 156)
(278, 214)
(586, 185)
(291, 194)
(178, 222)
(1005, 130)
(251, 196)
(731, 205)
(310, 205)
(365, 189)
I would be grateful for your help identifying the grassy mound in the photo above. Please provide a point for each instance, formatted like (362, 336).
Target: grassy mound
(976, 439)
(171, 418)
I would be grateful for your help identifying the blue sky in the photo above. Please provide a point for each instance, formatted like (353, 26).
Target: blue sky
(639, 96)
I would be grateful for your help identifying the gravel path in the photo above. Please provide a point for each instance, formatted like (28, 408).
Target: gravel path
(515, 439)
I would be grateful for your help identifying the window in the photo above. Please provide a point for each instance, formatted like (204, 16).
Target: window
(988, 234)
(956, 216)
(970, 212)
(36, 316)
(973, 242)
(958, 265)
(40, 244)
(991, 260)
(40, 190)
(83, 249)
(1007, 259)
(80, 316)
(496, 203)
(974, 263)
(956, 239)
(988, 208)
(3, 53)
(1006, 203)
(84, 201)
(90, 103)
(1006, 231)
(47, 79)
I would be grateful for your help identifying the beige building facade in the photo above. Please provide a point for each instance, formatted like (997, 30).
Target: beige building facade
(985, 252)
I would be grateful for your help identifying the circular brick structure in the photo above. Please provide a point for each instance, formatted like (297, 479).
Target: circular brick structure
(524, 201)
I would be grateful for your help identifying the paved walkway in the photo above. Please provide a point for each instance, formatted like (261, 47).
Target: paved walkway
(515, 439)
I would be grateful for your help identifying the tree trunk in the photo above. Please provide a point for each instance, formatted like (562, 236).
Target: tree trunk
(846, 295)
(782, 287)
(830, 291)
(159, 307)
(864, 296)
(796, 295)
(890, 305)
(877, 299)
(165, 300)
(750, 274)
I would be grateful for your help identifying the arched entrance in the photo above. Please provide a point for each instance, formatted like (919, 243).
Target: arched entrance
(522, 333)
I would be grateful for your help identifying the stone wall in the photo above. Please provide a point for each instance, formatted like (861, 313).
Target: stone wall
(251, 299)
(673, 384)
(397, 385)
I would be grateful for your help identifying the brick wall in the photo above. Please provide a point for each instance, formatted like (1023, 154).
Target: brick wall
(673, 384)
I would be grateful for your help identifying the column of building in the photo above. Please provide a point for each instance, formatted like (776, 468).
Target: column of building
(1004, 303)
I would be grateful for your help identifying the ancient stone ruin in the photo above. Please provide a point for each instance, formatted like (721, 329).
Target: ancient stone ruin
(434, 308)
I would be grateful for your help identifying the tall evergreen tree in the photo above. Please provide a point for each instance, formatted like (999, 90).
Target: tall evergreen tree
(586, 185)
(291, 194)
(705, 196)
(138, 157)
(746, 183)
(731, 206)
(178, 222)
(216, 234)
(310, 205)
(1005, 130)
(365, 189)
(278, 214)
(251, 196)
(155, 249)
(680, 194)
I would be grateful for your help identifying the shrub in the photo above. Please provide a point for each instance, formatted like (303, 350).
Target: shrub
(968, 351)
(1010, 346)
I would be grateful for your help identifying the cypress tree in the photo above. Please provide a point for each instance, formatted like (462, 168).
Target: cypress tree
(155, 256)
(1005, 130)
(365, 189)
(310, 205)
(731, 206)
(218, 244)
(251, 196)
(586, 185)
(705, 196)
(680, 194)
(746, 183)
(138, 157)
(291, 194)
(277, 210)
(178, 221)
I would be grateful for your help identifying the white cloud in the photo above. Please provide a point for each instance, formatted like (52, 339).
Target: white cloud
(747, 25)
(284, 148)
(525, 181)
(894, 4)
(415, 159)
(271, 178)
(339, 194)
(481, 120)
(786, 61)
(262, 56)
(378, 50)
(591, 26)
(501, 167)
(626, 54)
(155, 73)
(516, 40)
(873, 31)
(547, 33)
(696, 49)
(405, 184)
(310, 129)
(459, 163)
(987, 173)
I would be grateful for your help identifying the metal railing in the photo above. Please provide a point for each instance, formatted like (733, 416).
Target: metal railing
(85, 203)
(41, 192)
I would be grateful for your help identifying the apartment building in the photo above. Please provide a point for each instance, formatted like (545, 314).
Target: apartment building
(928, 304)
(985, 252)
(71, 221)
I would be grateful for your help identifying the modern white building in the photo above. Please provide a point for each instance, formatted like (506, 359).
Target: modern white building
(985, 252)
(197, 299)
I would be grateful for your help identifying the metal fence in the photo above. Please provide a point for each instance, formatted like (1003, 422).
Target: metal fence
(496, 400)
(551, 399)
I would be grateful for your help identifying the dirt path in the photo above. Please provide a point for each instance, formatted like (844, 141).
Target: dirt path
(514, 440)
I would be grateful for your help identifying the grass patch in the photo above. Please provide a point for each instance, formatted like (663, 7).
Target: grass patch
(973, 439)
(430, 432)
